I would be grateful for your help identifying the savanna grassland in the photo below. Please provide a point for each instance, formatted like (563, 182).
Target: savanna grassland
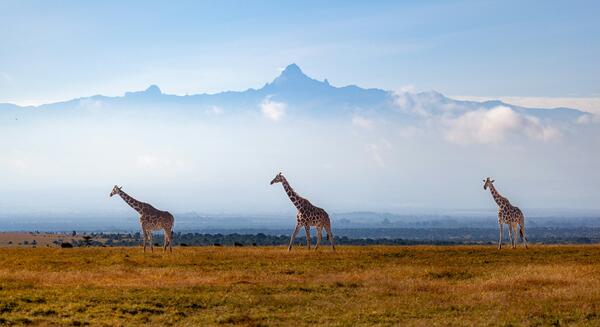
(195, 286)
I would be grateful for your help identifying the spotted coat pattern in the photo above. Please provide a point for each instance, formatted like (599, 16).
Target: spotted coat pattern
(507, 214)
(151, 219)
(308, 215)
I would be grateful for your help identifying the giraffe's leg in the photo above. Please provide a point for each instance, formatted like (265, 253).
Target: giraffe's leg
(145, 236)
(515, 236)
(307, 230)
(319, 236)
(509, 234)
(330, 236)
(293, 237)
(171, 240)
(148, 239)
(151, 238)
(500, 229)
(167, 231)
(522, 231)
(144, 242)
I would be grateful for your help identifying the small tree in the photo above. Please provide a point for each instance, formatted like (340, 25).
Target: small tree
(66, 245)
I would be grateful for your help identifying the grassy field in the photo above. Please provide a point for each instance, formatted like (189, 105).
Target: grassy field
(24, 239)
(424, 286)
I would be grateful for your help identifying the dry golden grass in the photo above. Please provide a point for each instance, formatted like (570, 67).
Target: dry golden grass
(18, 239)
(422, 286)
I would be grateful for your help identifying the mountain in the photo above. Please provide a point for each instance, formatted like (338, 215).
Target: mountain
(302, 95)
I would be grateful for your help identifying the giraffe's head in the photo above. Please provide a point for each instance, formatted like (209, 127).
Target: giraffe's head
(487, 183)
(115, 190)
(278, 179)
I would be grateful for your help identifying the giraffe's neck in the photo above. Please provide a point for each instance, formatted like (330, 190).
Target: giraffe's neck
(294, 197)
(135, 204)
(497, 197)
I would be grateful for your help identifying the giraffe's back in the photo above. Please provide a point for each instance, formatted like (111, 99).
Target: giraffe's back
(510, 214)
(314, 216)
(155, 219)
(517, 213)
(152, 211)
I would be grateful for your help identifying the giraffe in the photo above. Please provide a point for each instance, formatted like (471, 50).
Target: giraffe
(507, 214)
(151, 219)
(308, 215)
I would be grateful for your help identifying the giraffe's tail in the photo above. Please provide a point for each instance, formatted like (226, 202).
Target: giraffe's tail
(521, 232)
(328, 229)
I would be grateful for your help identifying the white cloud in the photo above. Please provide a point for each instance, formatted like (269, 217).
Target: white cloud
(28, 102)
(16, 164)
(494, 126)
(536, 130)
(214, 110)
(5, 77)
(589, 119)
(407, 102)
(90, 104)
(407, 89)
(589, 104)
(272, 110)
(468, 123)
(19, 165)
(409, 132)
(378, 149)
(426, 104)
(362, 122)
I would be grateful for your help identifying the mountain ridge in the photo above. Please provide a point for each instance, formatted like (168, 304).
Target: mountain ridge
(295, 87)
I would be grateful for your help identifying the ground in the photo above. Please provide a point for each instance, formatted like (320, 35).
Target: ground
(198, 286)
(30, 239)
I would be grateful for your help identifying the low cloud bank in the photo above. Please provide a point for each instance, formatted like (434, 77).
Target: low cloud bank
(425, 152)
(495, 126)
(468, 124)
(272, 110)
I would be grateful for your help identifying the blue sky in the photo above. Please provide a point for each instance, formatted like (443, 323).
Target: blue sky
(60, 50)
